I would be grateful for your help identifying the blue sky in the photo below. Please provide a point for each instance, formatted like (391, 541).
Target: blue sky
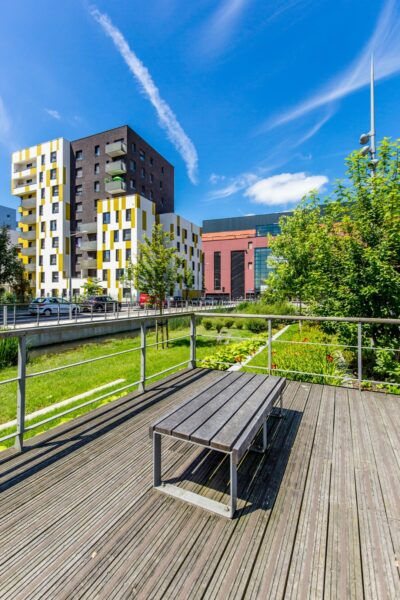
(253, 101)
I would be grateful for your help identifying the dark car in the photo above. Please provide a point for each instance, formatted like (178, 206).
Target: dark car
(101, 304)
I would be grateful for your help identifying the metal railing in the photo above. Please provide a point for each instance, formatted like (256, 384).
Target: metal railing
(150, 320)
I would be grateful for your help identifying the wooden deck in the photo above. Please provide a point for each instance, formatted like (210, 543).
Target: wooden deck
(318, 515)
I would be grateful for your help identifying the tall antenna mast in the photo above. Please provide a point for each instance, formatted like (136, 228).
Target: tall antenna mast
(371, 136)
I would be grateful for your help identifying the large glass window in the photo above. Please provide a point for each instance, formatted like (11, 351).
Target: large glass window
(217, 270)
(262, 269)
(271, 229)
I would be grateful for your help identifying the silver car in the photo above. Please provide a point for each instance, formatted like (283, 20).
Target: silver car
(52, 306)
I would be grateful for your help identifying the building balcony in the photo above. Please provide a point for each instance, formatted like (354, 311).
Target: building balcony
(88, 263)
(116, 187)
(30, 251)
(117, 167)
(28, 219)
(25, 173)
(116, 149)
(89, 246)
(21, 189)
(24, 166)
(88, 227)
(28, 203)
(27, 235)
(30, 267)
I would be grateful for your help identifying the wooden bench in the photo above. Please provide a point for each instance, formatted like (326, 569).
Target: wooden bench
(225, 416)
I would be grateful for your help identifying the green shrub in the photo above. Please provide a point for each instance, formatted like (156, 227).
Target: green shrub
(218, 325)
(8, 352)
(231, 354)
(228, 323)
(207, 324)
(256, 325)
(239, 324)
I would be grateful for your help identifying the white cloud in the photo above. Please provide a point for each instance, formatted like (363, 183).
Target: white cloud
(286, 188)
(53, 113)
(166, 116)
(221, 26)
(236, 184)
(384, 43)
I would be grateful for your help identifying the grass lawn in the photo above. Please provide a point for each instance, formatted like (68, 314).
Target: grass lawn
(48, 389)
(327, 360)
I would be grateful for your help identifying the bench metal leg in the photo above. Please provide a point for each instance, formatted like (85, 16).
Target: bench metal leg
(196, 499)
(263, 448)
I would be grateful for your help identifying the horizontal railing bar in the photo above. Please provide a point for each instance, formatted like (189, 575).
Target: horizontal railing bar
(185, 362)
(82, 362)
(229, 337)
(8, 380)
(335, 345)
(167, 341)
(381, 382)
(249, 366)
(300, 318)
(9, 436)
(66, 412)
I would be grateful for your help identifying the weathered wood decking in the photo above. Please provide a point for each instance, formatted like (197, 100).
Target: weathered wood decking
(318, 515)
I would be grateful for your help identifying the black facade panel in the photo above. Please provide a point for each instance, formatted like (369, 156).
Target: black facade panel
(241, 223)
(237, 273)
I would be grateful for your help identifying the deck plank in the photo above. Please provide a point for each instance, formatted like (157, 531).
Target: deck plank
(317, 514)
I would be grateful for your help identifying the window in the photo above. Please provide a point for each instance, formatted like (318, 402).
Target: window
(40, 211)
(151, 195)
(55, 190)
(271, 229)
(151, 160)
(119, 273)
(116, 236)
(104, 274)
(116, 216)
(117, 254)
(144, 220)
(79, 155)
(78, 190)
(97, 150)
(41, 277)
(128, 254)
(79, 207)
(95, 202)
(104, 237)
(178, 245)
(126, 235)
(106, 217)
(40, 261)
(250, 245)
(132, 165)
(54, 277)
(42, 227)
(41, 177)
(53, 225)
(151, 177)
(53, 156)
(132, 184)
(217, 270)
(106, 256)
(178, 230)
(128, 213)
(142, 155)
(79, 172)
(54, 241)
(55, 208)
(96, 186)
(162, 170)
(160, 185)
(261, 268)
(97, 168)
(185, 249)
(42, 244)
(42, 193)
(162, 200)
(143, 172)
(43, 160)
(143, 190)
(133, 147)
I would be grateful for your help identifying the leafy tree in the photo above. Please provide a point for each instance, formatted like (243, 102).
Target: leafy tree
(187, 281)
(156, 269)
(342, 254)
(20, 286)
(92, 286)
(10, 265)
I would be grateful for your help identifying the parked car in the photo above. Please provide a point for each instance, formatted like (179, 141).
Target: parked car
(100, 304)
(52, 306)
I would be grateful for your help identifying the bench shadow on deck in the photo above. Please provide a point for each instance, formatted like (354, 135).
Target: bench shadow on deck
(318, 514)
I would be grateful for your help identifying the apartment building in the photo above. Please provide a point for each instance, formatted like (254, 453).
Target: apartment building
(85, 206)
(236, 252)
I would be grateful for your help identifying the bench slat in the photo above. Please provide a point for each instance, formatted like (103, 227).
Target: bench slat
(197, 418)
(168, 423)
(243, 442)
(262, 398)
(216, 421)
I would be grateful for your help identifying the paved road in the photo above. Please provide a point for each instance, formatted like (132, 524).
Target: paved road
(19, 317)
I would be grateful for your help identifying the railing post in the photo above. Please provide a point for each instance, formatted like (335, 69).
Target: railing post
(19, 439)
(359, 354)
(269, 346)
(192, 362)
(142, 383)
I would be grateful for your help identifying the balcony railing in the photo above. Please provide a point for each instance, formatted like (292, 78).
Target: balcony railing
(116, 167)
(116, 187)
(27, 219)
(88, 263)
(116, 149)
(27, 235)
(89, 246)
(30, 267)
(88, 227)
(30, 251)
(191, 362)
(28, 203)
